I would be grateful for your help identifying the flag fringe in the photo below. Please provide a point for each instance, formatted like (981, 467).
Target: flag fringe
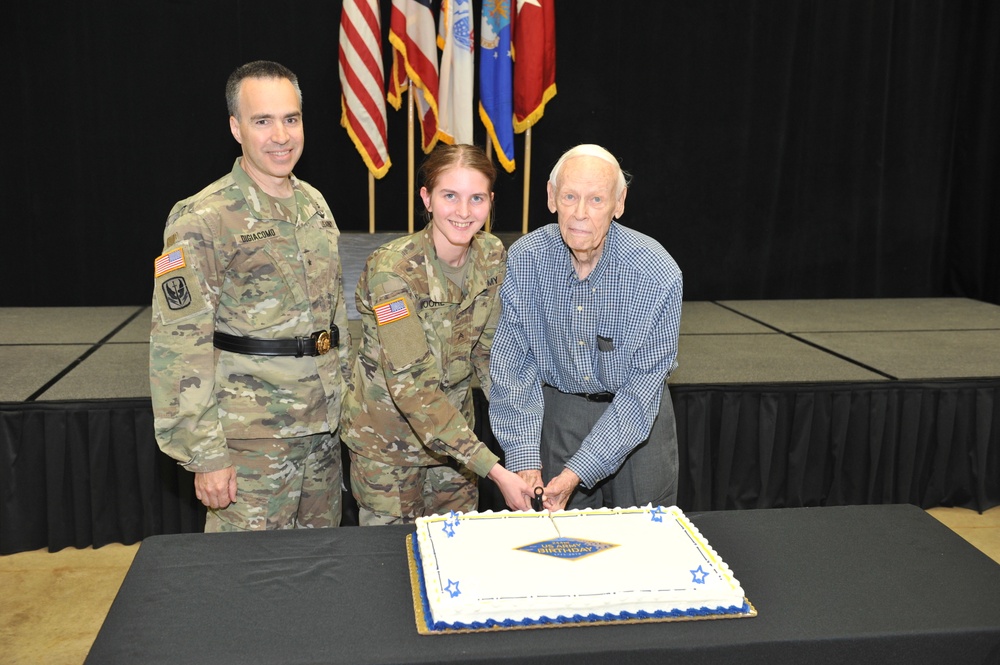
(360, 146)
(520, 126)
(507, 162)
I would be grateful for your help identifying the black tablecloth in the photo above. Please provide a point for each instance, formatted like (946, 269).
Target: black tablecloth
(854, 584)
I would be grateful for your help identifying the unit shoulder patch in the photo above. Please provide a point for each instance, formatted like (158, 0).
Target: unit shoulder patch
(178, 295)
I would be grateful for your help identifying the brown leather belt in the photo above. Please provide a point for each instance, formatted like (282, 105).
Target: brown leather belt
(316, 344)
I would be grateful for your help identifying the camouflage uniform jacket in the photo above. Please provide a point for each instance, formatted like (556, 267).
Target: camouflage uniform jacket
(240, 262)
(410, 403)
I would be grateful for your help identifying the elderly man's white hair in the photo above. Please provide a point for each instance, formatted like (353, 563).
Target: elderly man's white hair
(592, 150)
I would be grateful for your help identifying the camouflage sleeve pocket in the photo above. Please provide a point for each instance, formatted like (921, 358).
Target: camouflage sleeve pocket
(177, 292)
(400, 333)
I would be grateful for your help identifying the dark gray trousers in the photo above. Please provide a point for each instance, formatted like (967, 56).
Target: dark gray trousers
(649, 473)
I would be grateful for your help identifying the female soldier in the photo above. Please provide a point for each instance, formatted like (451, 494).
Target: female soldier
(429, 307)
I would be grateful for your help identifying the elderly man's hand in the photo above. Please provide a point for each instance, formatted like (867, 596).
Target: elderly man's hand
(559, 489)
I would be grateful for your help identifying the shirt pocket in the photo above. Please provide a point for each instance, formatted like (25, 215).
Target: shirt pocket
(263, 287)
(439, 324)
(320, 252)
(482, 307)
(611, 365)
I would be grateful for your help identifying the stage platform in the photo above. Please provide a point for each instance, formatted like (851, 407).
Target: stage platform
(779, 404)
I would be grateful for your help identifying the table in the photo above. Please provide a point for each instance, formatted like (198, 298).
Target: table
(852, 584)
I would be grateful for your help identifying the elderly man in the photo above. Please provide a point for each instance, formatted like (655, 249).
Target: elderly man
(586, 341)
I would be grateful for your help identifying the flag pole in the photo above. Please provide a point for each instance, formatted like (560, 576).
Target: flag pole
(409, 158)
(527, 180)
(489, 156)
(371, 202)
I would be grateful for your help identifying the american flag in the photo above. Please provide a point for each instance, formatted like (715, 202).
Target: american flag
(169, 261)
(390, 311)
(362, 82)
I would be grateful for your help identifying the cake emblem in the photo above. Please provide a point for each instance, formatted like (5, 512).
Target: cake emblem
(566, 548)
(452, 588)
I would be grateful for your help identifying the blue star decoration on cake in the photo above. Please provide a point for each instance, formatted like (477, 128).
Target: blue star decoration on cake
(698, 575)
(656, 514)
(566, 548)
(450, 524)
(452, 588)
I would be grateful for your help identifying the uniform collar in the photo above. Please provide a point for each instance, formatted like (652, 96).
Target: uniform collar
(442, 289)
(262, 206)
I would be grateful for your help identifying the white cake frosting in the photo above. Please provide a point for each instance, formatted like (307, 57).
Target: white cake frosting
(519, 568)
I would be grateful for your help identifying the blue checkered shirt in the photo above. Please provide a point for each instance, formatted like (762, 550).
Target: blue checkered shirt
(548, 333)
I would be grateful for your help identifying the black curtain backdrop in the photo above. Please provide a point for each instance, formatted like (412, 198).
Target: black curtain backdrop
(88, 473)
(780, 148)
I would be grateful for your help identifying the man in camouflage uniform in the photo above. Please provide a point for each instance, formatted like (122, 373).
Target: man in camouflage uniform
(246, 368)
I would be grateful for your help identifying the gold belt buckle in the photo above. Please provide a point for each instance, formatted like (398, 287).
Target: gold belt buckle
(322, 341)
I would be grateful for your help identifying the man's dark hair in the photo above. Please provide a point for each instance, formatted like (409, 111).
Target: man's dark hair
(258, 69)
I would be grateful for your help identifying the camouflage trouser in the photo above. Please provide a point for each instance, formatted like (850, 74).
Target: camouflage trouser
(390, 494)
(282, 484)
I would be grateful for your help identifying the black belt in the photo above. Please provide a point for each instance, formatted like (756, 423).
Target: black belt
(590, 397)
(315, 344)
(595, 397)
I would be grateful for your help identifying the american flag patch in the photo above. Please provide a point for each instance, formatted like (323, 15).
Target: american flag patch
(169, 261)
(391, 311)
